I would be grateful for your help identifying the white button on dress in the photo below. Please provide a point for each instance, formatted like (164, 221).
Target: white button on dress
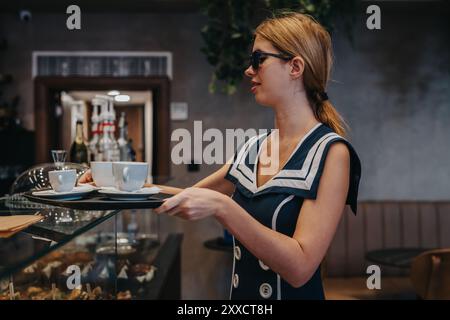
(237, 253)
(235, 280)
(265, 290)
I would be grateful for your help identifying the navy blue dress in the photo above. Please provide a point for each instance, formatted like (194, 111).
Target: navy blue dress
(276, 204)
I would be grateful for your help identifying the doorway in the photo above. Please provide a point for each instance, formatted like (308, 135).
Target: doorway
(137, 112)
(152, 134)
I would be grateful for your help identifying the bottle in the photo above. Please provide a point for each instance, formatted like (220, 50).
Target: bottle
(123, 139)
(104, 143)
(108, 148)
(98, 154)
(92, 145)
(78, 150)
(115, 152)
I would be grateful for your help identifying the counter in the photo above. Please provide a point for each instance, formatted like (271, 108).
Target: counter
(107, 262)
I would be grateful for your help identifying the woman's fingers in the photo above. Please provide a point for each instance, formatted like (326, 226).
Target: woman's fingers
(86, 177)
(173, 212)
(170, 203)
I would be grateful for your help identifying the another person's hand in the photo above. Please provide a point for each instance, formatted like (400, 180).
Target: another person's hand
(194, 204)
(86, 177)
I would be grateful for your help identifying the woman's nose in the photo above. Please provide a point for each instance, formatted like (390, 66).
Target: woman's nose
(249, 72)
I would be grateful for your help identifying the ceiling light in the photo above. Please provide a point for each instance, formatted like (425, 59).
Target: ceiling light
(122, 98)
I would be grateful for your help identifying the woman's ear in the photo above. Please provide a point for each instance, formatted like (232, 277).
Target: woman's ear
(297, 67)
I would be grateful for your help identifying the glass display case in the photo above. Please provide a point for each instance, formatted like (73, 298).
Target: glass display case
(75, 254)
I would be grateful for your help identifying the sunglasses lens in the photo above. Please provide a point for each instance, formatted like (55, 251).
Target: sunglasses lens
(255, 60)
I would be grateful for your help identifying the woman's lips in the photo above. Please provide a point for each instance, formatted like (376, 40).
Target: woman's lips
(254, 85)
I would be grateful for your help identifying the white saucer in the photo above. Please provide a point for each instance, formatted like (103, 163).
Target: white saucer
(76, 193)
(141, 194)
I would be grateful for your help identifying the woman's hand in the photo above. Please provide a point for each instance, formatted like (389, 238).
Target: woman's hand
(194, 204)
(86, 177)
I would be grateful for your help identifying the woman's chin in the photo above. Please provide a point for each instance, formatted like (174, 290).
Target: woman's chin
(262, 101)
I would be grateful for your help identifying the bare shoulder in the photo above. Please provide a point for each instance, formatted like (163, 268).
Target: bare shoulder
(336, 170)
(338, 154)
(342, 172)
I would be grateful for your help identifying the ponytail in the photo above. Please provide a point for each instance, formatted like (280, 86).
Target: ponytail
(329, 116)
(325, 112)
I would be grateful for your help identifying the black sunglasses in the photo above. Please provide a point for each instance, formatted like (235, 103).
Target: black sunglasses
(258, 57)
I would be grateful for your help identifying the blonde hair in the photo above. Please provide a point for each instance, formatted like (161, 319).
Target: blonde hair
(297, 34)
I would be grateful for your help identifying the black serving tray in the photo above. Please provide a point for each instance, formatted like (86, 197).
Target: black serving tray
(97, 201)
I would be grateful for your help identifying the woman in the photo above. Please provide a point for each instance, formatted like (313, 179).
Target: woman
(283, 222)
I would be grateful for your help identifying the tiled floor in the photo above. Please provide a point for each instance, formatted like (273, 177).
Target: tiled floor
(354, 288)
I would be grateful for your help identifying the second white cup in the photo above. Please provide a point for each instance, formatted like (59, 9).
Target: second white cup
(129, 176)
(102, 173)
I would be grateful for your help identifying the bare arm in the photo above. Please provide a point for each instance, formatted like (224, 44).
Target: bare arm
(215, 181)
(296, 258)
(165, 189)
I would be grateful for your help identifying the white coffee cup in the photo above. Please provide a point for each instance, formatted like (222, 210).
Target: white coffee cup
(130, 176)
(62, 180)
(102, 173)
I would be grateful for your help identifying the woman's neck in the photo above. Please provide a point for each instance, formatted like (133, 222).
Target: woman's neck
(294, 119)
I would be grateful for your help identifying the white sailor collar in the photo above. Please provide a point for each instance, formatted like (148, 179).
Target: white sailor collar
(301, 173)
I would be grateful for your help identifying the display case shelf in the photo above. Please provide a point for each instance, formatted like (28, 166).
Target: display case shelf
(113, 261)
